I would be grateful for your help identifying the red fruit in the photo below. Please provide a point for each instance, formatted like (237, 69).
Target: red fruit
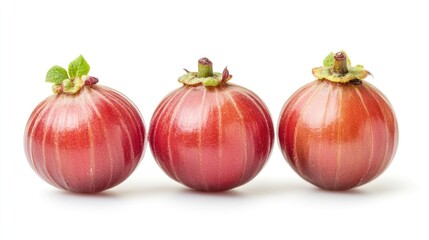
(211, 135)
(85, 139)
(338, 132)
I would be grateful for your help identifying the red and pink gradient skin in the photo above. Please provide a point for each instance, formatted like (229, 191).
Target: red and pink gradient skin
(338, 135)
(211, 138)
(86, 142)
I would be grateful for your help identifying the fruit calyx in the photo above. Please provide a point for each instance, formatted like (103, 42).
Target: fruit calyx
(72, 81)
(205, 75)
(337, 68)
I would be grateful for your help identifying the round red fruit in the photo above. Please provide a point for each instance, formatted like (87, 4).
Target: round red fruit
(86, 138)
(211, 135)
(338, 132)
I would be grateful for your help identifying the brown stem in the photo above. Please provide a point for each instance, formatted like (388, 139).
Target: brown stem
(340, 63)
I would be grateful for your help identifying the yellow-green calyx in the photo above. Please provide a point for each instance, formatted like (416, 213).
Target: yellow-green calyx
(205, 75)
(337, 68)
(70, 86)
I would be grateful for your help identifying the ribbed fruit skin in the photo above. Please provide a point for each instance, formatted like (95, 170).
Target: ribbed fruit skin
(86, 142)
(211, 138)
(338, 136)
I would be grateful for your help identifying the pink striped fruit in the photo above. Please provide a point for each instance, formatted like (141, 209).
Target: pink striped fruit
(85, 138)
(211, 135)
(339, 131)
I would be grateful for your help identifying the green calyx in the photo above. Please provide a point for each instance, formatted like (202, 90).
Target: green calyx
(72, 81)
(205, 75)
(337, 68)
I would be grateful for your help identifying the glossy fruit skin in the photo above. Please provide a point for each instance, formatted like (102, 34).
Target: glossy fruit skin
(86, 142)
(338, 135)
(211, 138)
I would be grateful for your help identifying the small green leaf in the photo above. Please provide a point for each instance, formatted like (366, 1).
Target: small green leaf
(329, 60)
(78, 67)
(56, 75)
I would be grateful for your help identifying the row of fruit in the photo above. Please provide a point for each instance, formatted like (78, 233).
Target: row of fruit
(337, 132)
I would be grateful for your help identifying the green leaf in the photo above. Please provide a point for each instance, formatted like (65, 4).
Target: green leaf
(329, 60)
(56, 75)
(78, 67)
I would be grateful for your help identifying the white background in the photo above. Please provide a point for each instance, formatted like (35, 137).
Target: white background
(140, 48)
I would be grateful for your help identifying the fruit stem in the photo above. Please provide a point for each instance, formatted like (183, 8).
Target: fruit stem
(205, 68)
(340, 63)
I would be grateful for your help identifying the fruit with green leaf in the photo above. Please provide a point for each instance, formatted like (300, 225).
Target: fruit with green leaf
(85, 137)
(339, 131)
